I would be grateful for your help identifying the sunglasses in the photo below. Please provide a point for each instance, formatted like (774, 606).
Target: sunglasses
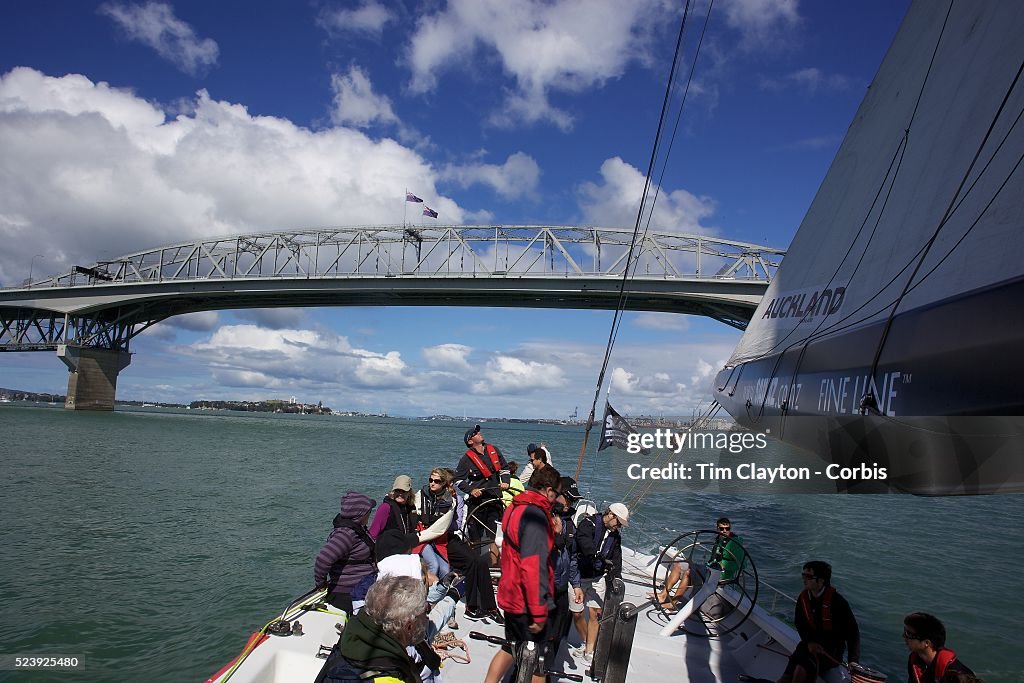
(807, 576)
(910, 636)
(432, 480)
(724, 528)
(400, 492)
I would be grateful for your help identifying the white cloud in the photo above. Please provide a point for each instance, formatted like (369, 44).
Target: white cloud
(288, 358)
(615, 201)
(506, 374)
(95, 172)
(155, 25)
(450, 357)
(563, 46)
(369, 18)
(355, 102)
(654, 385)
(809, 80)
(518, 177)
(763, 24)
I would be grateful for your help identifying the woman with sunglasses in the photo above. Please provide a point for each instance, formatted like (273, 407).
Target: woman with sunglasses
(397, 511)
(432, 501)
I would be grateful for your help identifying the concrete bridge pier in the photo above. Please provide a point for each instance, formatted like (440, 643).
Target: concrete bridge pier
(92, 377)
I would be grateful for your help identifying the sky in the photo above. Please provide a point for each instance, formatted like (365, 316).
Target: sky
(126, 126)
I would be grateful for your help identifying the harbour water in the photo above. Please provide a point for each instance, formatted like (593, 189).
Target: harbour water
(150, 543)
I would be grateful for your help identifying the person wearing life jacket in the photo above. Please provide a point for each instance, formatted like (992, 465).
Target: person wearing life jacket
(930, 660)
(526, 588)
(347, 555)
(479, 474)
(515, 485)
(373, 644)
(826, 626)
(599, 557)
(397, 511)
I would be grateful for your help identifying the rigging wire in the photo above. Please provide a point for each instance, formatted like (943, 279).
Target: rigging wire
(617, 316)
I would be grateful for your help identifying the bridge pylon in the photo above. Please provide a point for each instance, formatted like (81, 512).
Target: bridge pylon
(92, 380)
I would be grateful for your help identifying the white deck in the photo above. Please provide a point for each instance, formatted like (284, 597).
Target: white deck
(758, 648)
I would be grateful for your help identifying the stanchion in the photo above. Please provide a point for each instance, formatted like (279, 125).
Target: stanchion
(622, 643)
(602, 650)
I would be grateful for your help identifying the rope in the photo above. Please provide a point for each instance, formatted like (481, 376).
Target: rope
(447, 640)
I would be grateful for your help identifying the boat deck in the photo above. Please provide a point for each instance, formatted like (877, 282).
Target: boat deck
(680, 657)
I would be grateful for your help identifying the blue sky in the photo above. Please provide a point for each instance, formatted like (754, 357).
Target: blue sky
(125, 126)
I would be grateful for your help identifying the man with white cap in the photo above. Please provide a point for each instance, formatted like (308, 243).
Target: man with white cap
(599, 549)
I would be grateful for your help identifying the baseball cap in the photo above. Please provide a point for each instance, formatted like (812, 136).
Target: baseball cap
(402, 483)
(470, 433)
(620, 511)
(569, 489)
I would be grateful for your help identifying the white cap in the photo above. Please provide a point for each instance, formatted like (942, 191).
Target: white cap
(620, 511)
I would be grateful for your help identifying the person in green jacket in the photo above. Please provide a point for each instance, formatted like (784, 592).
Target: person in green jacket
(727, 551)
(373, 645)
(515, 486)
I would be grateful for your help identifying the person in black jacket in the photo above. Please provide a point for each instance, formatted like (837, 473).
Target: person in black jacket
(599, 557)
(826, 626)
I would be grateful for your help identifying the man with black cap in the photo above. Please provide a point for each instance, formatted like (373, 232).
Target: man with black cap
(480, 475)
(568, 593)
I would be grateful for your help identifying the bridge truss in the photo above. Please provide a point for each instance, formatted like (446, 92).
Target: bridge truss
(71, 307)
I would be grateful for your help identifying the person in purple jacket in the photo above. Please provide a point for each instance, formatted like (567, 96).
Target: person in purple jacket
(347, 555)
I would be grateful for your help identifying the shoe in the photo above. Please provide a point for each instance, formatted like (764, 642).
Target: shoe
(495, 616)
(588, 657)
(475, 614)
(458, 591)
(450, 579)
(575, 652)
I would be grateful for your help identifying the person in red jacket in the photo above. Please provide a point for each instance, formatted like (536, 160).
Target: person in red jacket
(527, 585)
(930, 659)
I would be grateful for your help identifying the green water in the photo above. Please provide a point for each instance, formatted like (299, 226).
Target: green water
(151, 543)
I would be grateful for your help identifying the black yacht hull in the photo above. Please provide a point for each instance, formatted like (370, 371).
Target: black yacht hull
(948, 414)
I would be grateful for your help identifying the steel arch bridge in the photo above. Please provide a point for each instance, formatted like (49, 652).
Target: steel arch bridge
(105, 305)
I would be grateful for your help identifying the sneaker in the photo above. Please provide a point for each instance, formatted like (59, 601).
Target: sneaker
(495, 616)
(588, 657)
(475, 614)
(577, 651)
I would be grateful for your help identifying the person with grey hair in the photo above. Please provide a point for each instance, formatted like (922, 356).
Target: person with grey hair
(373, 646)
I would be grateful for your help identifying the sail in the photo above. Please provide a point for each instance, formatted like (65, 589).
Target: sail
(923, 201)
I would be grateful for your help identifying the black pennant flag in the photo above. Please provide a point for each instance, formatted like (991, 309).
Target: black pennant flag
(615, 430)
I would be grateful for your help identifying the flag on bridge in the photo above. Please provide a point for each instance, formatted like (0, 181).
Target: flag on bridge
(427, 211)
(615, 430)
(410, 197)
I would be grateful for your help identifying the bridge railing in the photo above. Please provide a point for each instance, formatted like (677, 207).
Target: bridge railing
(446, 251)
